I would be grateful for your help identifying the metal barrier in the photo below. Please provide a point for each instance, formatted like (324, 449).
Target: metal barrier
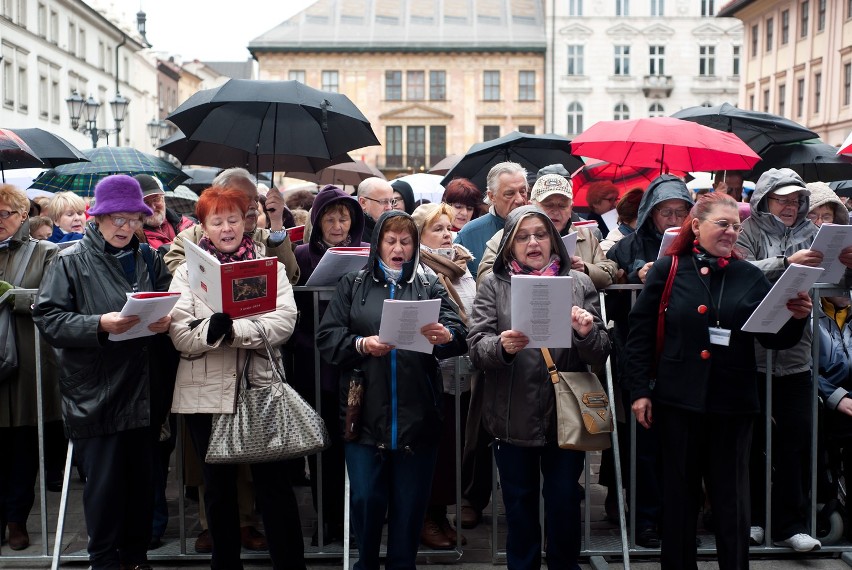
(594, 546)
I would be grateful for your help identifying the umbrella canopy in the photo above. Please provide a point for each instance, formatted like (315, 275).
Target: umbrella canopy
(623, 177)
(425, 186)
(275, 118)
(52, 150)
(200, 178)
(665, 143)
(813, 161)
(445, 164)
(182, 200)
(212, 154)
(81, 177)
(351, 173)
(758, 130)
(846, 147)
(15, 153)
(530, 151)
(842, 187)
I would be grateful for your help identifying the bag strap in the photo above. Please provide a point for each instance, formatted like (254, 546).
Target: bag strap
(664, 304)
(30, 246)
(551, 367)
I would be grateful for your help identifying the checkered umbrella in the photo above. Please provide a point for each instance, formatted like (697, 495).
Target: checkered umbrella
(81, 177)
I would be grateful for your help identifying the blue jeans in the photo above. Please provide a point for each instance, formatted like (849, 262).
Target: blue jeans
(519, 478)
(394, 482)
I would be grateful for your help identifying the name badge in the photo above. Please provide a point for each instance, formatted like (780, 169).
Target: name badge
(720, 336)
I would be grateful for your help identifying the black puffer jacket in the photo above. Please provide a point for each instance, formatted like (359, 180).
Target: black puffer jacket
(105, 385)
(402, 405)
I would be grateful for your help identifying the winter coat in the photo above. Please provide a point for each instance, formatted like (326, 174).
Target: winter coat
(157, 238)
(59, 236)
(835, 359)
(18, 393)
(767, 242)
(692, 373)
(401, 406)
(518, 401)
(105, 384)
(208, 373)
(476, 233)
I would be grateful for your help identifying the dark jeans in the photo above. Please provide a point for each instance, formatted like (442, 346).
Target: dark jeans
(444, 479)
(395, 483)
(160, 467)
(791, 446)
(273, 493)
(117, 497)
(648, 492)
(714, 447)
(333, 464)
(476, 455)
(18, 472)
(519, 478)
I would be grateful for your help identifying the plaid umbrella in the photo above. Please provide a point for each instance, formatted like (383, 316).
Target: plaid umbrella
(182, 200)
(81, 177)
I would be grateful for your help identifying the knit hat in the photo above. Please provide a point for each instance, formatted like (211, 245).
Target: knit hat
(424, 212)
(119, 193)
(551, 184)
(150, 184)
(823, 195)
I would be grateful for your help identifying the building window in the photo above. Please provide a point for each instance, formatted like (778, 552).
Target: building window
(526, 85)
(657, 7)
(848, 9)
(437, 143)
(735, 64)
(817, 92)
(8, 8)
(847, 84)
(754, 32)
(491, 86)
(526, 129)
(43, 98)
(393, 147)
(782, 99)
(54, 27)
(707, 61)
(785, 27)
(101, 55)
(656, 60)
(72, 38)
(81, 44)
(42, 20)
(800, 97)
(8, 83)
(656, 110)
(621, 112)
(330, 81)
(393, 85)
(575, 59)
(490, 132)
(416, 147)
(415, 86)
(766, 100)
(708, 8)
(575, 118)
(23, 89)
(622, 60)
(55, 102)
(770, 30)
(751, 102)
(438, 85)
(820, 15)
(622, 7)
(22, 13)
(575, 7)
(804, 16)
(296, 75)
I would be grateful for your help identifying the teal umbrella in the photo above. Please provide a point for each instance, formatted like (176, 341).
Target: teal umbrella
(81, 177)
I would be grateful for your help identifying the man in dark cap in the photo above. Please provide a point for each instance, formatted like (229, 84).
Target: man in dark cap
(160, 228)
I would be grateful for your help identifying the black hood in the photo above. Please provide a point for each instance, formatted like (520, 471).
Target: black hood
(407, 193)
(408, 269)
(513, 220)
(664, 187)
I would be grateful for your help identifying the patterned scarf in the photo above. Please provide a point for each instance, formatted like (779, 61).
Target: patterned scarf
(324, 245)
(448, 271)
(551, 269)
(707, 260)
(244, 252)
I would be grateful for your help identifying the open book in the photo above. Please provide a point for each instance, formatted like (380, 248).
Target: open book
(337, 262)
(240, 289)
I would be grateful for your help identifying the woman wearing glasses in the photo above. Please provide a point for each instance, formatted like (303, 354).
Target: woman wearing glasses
(104, 383)
(519, 406)
(705, 397)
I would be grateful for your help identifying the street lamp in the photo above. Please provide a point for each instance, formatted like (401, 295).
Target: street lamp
(119, 110)
(87, 111)
(158, 131)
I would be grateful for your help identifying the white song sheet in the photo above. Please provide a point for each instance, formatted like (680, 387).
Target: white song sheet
(610, 219)
(830, 241)
(772, 312)
(150, 308)
(668, 237)
(402, 321)
(337, 262)
(541, 309)
(570, 242)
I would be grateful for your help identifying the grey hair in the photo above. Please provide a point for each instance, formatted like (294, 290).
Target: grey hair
(227, 176)
(365, 188)
(504, 168)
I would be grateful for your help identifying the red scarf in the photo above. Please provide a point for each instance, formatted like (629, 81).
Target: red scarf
(244, 252)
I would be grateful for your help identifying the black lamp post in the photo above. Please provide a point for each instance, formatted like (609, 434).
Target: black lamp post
(87, 111)
(158, 131)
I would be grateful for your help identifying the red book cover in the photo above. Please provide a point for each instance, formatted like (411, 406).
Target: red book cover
(296, 233)
(249, 287)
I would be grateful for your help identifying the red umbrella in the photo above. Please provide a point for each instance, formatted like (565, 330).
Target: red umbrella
(846, 147)
(623, 177)
(665, 143)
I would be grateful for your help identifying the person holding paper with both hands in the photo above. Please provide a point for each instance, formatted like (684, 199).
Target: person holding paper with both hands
(697, 385)
(391, 458)
(519, 403)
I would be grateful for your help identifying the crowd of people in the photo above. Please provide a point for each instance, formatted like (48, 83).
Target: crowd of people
(694, 381)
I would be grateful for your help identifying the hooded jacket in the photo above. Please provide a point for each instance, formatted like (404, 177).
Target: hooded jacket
(835, 359)
(823, 195)
(401, 407)
(767, 242)
(518, 402)
(105, 384)
(407, 193)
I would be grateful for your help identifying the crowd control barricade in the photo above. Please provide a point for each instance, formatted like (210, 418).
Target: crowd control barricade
(598, 545)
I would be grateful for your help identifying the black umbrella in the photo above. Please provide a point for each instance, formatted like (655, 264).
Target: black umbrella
(51, 149)
(530, 151)
(758, 130)
(200, 178)
(212, 154)
(813, 161)
(842, 187)
(275, 118)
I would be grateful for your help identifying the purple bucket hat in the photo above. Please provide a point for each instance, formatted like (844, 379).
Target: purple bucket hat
(119, 193)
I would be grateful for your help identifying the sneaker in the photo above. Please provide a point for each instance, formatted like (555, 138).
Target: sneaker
(800, 543)
(755, 535)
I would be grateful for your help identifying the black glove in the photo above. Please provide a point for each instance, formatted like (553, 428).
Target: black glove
(220, 325)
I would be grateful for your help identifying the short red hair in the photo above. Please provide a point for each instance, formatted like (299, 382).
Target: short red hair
(218, 199)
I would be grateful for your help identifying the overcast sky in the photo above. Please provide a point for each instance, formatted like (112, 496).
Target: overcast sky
(210, 30)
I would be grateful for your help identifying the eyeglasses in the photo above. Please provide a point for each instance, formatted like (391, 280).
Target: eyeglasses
(539, 237)
(4, 214)
(825, 218)
(669, 212)
(784, 202)
(135, 223)
(386, 202)
(724, 225)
